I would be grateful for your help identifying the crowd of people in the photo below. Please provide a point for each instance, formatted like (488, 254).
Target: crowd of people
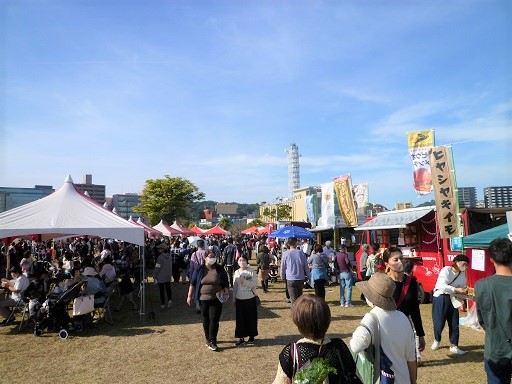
(218, 272)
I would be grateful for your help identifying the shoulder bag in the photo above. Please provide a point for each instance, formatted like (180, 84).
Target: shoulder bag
(368, 361)
(258, 300)
(83, 305)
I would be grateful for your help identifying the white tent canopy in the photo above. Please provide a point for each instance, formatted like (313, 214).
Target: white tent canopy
(69, 212)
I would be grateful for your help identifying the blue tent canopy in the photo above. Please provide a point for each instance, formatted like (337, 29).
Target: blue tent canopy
(484, 238)
(292, 231)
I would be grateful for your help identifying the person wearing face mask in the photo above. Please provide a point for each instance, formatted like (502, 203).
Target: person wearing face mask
(209, 285)
(451, 280)
(244, 299)
(406, 295)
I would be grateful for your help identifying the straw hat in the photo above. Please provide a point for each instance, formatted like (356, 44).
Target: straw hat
(89, 271)
(379, 290)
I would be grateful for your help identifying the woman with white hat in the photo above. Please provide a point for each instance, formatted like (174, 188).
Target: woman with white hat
(94, 285)
(397, 342)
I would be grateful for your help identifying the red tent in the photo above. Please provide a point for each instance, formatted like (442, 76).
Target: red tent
(252, 229)
(256, 230)
(216, 231)
(197, 230)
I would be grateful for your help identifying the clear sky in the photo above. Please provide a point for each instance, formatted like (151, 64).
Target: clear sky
(214, 91)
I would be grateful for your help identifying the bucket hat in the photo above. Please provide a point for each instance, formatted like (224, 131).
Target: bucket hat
(379, 290)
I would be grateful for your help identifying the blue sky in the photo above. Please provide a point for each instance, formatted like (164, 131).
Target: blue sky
(214, 91)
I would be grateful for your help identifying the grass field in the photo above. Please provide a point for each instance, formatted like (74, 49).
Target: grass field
(171, 348)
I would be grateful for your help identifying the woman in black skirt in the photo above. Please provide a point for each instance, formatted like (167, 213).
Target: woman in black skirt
(245, 300)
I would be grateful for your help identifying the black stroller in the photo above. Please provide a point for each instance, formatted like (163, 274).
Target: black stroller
(53, 314)
(273, 273)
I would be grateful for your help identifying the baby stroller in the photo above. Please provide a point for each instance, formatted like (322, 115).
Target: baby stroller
(53, 314)
(273, 272)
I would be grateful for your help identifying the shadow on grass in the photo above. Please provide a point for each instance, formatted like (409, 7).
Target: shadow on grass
(267, 342)
(96, 329)
(469, 357)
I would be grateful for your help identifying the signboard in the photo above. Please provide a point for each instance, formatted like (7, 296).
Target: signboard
(420, 144)
(445, 194)
(361, 198)
(456, 244)
(343, 189)
(478, 260)
(327, 207)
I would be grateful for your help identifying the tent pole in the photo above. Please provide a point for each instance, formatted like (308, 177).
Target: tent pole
(142, 291)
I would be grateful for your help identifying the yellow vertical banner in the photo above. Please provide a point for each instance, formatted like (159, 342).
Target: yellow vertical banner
(345, 196)
(445, 192)
(420, 144)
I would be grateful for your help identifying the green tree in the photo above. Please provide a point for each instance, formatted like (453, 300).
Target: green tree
(225, 223)
(267, 212)
(169, 199)
(284, 211)
(255, 223)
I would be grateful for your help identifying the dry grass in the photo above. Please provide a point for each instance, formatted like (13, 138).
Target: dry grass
(170, 349)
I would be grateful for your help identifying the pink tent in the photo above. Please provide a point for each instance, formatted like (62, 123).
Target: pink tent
(216, 231)
(197, 230)
(182, 230)
(166, 229)
(144, 225)
(147, 229)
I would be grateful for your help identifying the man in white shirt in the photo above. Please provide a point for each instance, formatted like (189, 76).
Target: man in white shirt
(329, 250)
(16, 286)
(307, 247)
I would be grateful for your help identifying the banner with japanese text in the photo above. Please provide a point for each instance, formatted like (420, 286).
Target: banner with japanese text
(420, 144)
(327, 208)
(310, 208)
(445, 192)
(361, 198)
(343, 190)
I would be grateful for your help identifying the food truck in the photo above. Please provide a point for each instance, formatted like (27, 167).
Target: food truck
(416, 232)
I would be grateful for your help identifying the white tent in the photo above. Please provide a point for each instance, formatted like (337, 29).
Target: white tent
(67, 212)
(166, 229)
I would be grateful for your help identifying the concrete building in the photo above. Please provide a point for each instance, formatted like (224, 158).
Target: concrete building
(226, 209)
(400, 206)
(12, 197)
(124, 203)
(95, 191)
(467, 197)
(498, 197)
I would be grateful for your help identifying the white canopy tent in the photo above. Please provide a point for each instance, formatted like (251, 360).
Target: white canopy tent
(69, 212)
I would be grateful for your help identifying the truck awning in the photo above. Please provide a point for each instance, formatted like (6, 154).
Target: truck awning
(395, 219)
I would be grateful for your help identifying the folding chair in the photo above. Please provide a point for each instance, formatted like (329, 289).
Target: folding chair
(21, 307)
(102, 310)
